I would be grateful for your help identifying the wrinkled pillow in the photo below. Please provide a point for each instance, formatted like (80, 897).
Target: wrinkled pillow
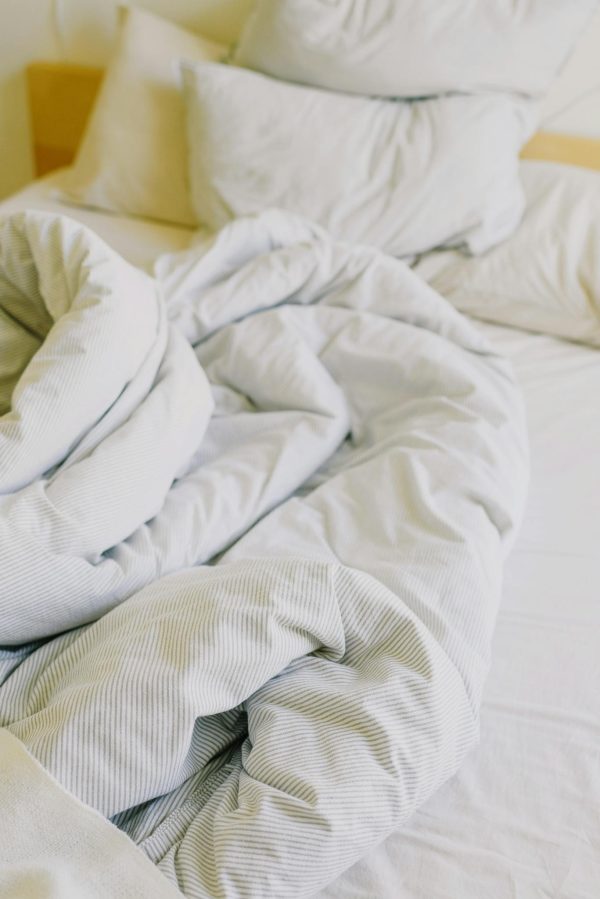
(403, 48)
(133, 157)
(546, 277)
(404, 177)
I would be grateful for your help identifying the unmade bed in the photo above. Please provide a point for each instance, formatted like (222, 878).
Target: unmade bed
(298, 502)
(521, 816)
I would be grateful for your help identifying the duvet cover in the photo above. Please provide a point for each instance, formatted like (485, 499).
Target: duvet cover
(253, 516)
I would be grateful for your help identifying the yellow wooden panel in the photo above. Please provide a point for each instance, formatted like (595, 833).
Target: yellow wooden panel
(582, 151)
(61, 96)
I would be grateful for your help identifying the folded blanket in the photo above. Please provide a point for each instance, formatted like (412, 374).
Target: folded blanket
(255, 724)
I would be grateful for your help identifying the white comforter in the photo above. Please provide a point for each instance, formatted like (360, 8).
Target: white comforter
(256, 724)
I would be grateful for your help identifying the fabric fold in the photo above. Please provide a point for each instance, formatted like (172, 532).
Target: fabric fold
(54, 847)
(99, 414)
(297, 661)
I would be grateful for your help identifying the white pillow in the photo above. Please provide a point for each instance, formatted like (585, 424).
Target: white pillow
(133, 158)
(546, 278)
(404, 177)
(405, 48)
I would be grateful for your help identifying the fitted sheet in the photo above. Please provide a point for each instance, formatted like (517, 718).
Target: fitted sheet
(139, 240)
(522, 817)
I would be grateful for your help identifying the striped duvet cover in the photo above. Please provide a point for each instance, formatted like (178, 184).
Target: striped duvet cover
(253, 515)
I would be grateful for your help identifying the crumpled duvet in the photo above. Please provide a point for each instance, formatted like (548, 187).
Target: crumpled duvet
(255, 641)
(102, 403)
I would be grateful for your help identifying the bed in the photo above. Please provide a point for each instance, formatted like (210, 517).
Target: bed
(521, 817)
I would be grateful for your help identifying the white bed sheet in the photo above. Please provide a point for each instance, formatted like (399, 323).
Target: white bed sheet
(140, 241)
(522, 818)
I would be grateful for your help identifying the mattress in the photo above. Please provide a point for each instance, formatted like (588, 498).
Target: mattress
(522, 818)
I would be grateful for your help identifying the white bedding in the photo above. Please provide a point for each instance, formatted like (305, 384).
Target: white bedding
(521, 818)
(319, 564)
(138, 240)
(133, 157)
(383, 47)
(403, 177)
(546, 278)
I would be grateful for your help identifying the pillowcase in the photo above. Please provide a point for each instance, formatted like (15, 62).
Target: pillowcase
(395, 48)
(133, 157)
(404, 177)
(546, 278)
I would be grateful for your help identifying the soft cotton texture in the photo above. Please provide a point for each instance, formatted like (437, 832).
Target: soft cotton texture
(404, 177)
(357, 489)
(402, 48)
(138, 240)
(546, 277)
(521, 816)
(535, 790)
(54, 847)
(102, 404)
(133, 157)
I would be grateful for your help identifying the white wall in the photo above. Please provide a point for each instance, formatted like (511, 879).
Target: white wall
(83, 30)
(25, 33)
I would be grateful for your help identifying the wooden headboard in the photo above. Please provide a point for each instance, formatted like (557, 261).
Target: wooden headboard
(61, 96)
